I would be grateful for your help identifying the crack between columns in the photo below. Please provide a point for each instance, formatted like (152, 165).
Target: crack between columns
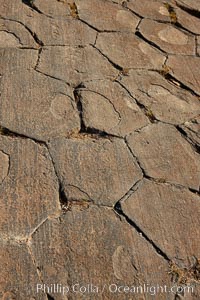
(194, 146)
(119, 211)
(50, 76)
(89, 25)
(114, 108)
(147, 112)
(33, 34)
(30, 3)
(79, 105)
(165, 88)
(62, 196)
(133, 189)
(38, 271)
(137, 160)
(13, 134)
(87, 131)
(32, 6)
(6, 132)
(191, 11)
(14, 34)
(65, 203)
(174, 18)
(152, 44)
(165, 72)
(38, 59)
(8, 171)
(145, 109)
(196, 46)
(124, 4)
(158, 180)
(177, 185)
(116, 66)
(99, 30)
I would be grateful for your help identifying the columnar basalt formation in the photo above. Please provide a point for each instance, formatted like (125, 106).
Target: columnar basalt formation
(99, 149)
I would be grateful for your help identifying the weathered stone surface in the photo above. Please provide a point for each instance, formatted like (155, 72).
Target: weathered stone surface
(106, 15)
(191, 4)
(164, 154)
(10, 10)
(167, 37)
(103, 169)
(14, 34)
(136, 54)
(156, 207)
(192, 129)
(17, 60)
(9, 39)
(58, 31)
(99, 143)
(4, 165)
(75, 65)
(114, 247)
(111, 109)
(44, 109)
(188, 21)
(54, 8)
(29, 188)
(185, 69)
(18, 274)
(163, 100)
(198, 46)
(149, 9)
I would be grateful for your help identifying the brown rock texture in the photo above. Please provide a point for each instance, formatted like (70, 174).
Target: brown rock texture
(99, 149)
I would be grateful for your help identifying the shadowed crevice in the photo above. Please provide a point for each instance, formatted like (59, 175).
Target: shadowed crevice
(64, 202)
(90, 131)
(174, 80)
(13, 134)
(78, 100)
(118, 210)
(195, 147)
(116, 66)
(148, 113)
(31, 4)
(49, 297)
(33, 34)
(152, 44)
(191, 11)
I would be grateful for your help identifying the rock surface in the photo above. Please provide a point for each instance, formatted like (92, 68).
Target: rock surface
(99, 149)
(101, 168)
(136, 55)
(167, 38)
(65, 258)
(185, 69)
(156, 207)
(158, 148)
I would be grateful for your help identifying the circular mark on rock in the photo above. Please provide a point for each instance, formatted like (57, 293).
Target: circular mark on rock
(61, 107)
(173, 36)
